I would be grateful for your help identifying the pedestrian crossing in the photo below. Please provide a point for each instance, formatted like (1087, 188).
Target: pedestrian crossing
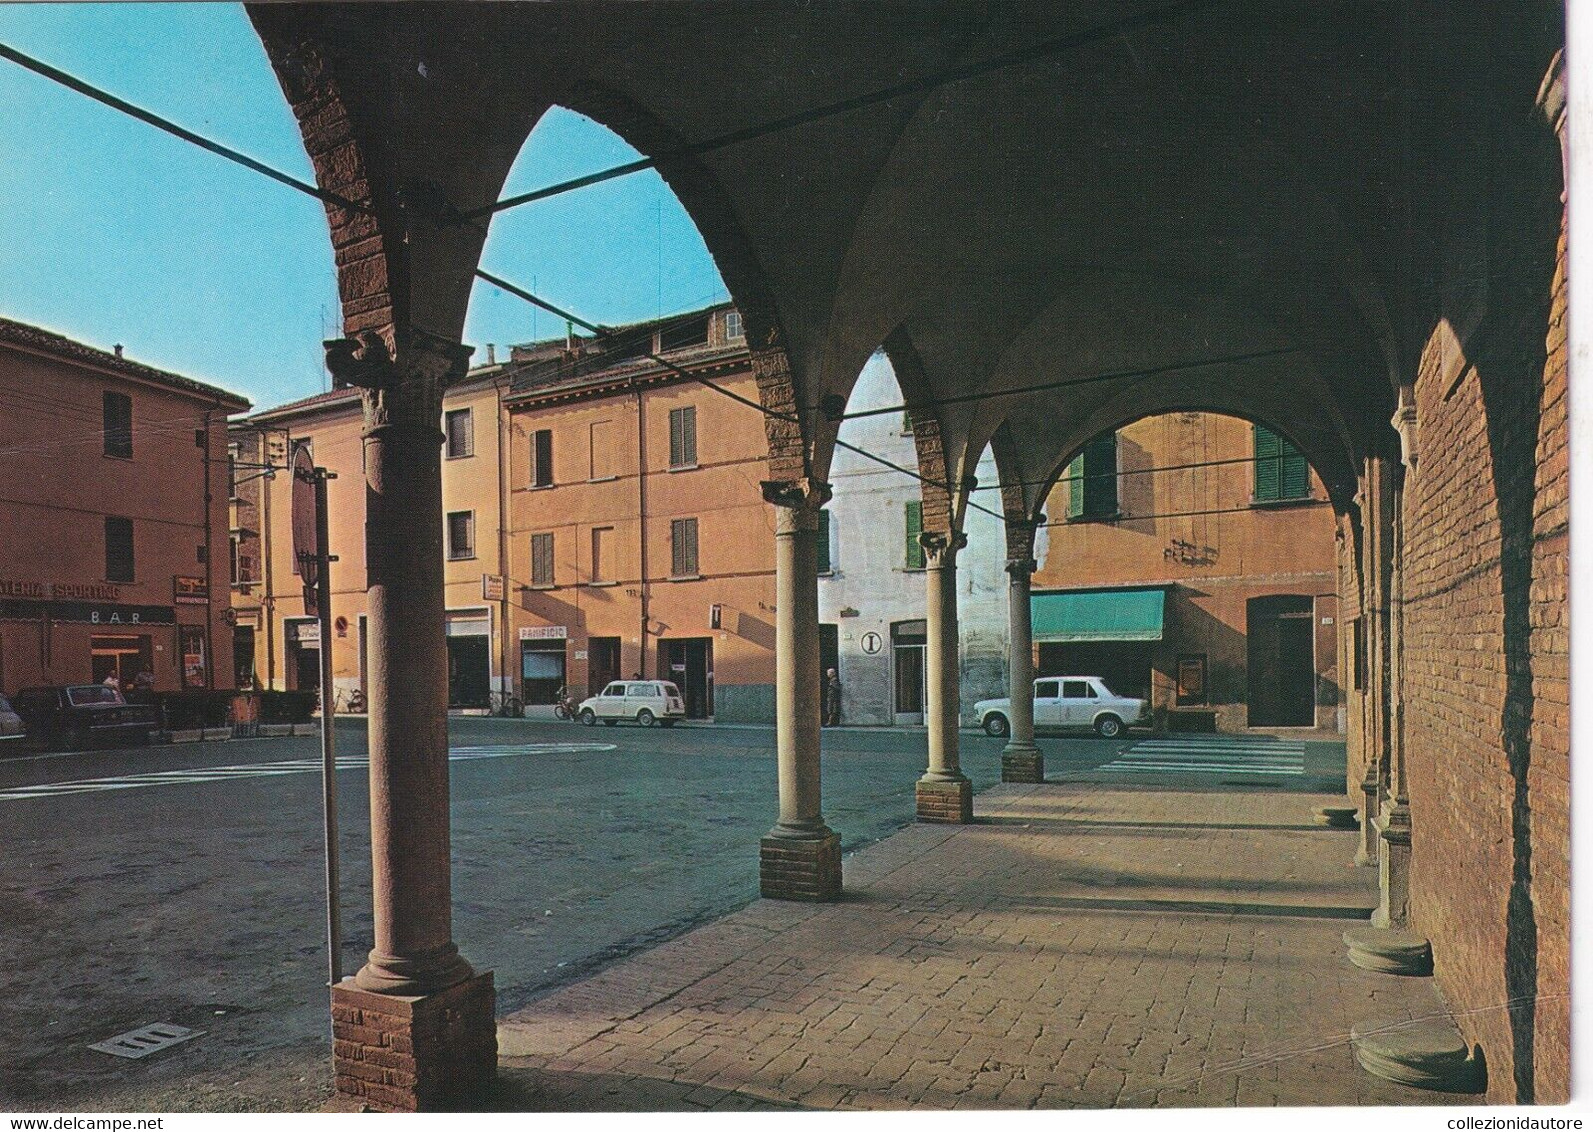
(199, 775)
(1212, 755)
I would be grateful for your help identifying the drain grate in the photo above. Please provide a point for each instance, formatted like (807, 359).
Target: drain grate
(145, 1040)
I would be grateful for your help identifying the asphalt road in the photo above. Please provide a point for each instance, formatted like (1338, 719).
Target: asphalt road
(184, 884)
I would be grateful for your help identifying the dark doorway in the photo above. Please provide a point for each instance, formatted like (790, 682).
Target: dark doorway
(602, 664)
(305, 667)
(243, 657)
(689, 663)
(469, 672)
(908, 640)
(121, 657)
(829, 650)
(541, 670)
(1282, 670)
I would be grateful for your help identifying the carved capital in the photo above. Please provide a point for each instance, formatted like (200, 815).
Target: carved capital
(401, 374)
(1404, 422)
(1021, 567)
(941, 547)
(797, 495)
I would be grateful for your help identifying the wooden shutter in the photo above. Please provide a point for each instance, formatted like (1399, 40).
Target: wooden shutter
(915, 527)
(542, 560)
(683, 437)
(1075, 483)
(683, 548)
(118, 424)
(1100, 476)
(542, 458)
(823, 548)
(1269, 458)
(1295, 474)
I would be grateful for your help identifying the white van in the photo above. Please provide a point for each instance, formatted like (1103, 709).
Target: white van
(646, 701)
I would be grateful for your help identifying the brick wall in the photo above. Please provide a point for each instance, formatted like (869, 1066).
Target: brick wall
(1486, 678)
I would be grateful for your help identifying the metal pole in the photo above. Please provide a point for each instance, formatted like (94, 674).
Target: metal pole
(323, 602)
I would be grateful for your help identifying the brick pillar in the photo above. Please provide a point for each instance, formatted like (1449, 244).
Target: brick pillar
(944, 793)
(800, 858)
(1394, 822)
(415, 1027)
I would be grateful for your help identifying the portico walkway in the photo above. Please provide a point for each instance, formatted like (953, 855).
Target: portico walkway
(1078, 946)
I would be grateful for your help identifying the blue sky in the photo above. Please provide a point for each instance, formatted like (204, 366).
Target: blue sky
(116, 232)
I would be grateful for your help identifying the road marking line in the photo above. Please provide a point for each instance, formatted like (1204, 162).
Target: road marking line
(201, 775)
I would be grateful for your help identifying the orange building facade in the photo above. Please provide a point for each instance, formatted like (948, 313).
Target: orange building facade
(1218, 532)
(113, 519)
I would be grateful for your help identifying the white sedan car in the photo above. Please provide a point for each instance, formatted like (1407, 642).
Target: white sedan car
(1066, 702)
(646, 701)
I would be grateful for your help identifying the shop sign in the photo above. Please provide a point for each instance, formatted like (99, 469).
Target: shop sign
(305, 632)
(544, 633)
(492, 587)
(69, 591)
(872, 643)
(91, 613)
(190, 591)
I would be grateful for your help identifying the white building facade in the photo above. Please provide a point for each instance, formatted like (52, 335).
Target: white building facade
(872, 597)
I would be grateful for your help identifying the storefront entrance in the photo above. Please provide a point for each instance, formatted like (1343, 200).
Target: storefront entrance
(908, 641)
(122, 657)
(1282, 669)
(541, 670)
(469, 659)
(689, 663)
(603, 663)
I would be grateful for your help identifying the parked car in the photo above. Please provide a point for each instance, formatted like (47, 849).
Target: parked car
(76, 716)
(1066, 703)
(646, 701)
(10, 722)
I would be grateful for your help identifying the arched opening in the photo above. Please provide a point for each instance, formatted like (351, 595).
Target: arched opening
(1191, 561)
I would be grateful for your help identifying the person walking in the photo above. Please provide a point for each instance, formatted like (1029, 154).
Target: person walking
(832, 699)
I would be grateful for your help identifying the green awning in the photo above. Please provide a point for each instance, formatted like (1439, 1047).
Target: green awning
(1098, 615)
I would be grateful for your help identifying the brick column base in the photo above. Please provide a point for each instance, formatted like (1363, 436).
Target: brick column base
(426, 1053)
(949, 802)
(798, 869)
(1019, 765)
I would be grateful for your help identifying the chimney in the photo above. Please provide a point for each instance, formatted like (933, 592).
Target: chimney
(569, 336)
(492, 354)
(118, 348)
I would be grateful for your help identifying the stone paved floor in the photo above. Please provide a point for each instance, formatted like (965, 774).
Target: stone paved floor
(1078, 946)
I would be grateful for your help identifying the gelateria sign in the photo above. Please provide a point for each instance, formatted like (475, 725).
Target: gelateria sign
(60, 591)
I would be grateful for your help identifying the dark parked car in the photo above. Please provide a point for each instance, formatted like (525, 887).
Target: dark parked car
(83, 715)
(10, 723)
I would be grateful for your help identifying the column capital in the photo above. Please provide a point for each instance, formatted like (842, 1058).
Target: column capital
(1023, 568)
(806, 494)
(941, 547)
(401, 373)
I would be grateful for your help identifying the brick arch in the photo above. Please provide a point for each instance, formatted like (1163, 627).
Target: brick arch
(942, 502)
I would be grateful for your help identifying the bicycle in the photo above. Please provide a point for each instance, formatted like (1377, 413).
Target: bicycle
(564, 705)
(507, 705)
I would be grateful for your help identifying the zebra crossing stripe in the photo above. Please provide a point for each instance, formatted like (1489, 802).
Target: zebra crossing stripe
(202, 775)
(1211, 756)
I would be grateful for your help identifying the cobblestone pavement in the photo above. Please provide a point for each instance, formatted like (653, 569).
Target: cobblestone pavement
(1078, 946)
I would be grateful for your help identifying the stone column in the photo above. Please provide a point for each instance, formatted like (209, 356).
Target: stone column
(415, 986)
(944, 793)
(800, 858)
(1021, 760)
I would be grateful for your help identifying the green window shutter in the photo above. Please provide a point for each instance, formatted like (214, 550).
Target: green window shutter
(823, 537)
(1075, 482)
(1296, 474)
(1100, 476)
(1268, 463)
(915, 527)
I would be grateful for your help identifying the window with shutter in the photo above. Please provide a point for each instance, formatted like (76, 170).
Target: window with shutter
(1100, 477)
(683, 548)
(542, 560)
(460, 433)
(461, 534)
(118, 549)
(1075, 482)
(118, 425)
(683, 437)
(915, 527)
(542, 458)
(1281, 469)
(825, 564)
